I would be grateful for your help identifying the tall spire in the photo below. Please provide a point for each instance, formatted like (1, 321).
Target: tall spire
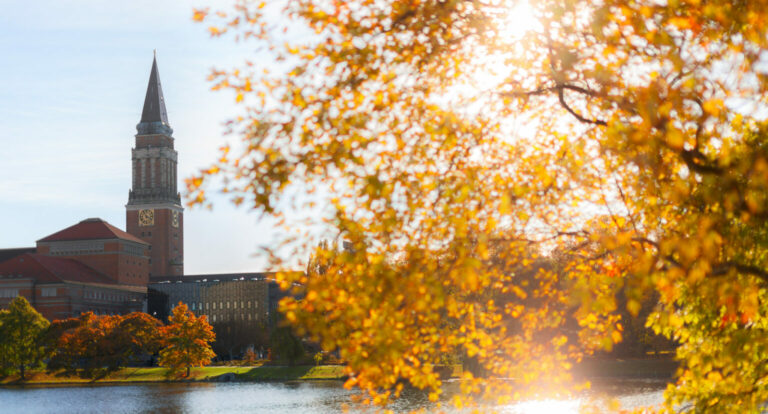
(154, 117)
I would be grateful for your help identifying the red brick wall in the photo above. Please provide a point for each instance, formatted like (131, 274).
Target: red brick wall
(114, 262)
(167, 241)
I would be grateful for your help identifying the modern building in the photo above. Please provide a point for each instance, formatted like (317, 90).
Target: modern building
(221, 297)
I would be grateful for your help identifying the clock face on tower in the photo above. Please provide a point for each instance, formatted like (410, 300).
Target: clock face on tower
(146, 217)
(175, 218)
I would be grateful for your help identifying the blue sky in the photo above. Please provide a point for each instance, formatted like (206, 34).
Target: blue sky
(73, 74)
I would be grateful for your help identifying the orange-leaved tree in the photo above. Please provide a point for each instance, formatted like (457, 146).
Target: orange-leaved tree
(627, 137)
(101, 344)
(187, 340)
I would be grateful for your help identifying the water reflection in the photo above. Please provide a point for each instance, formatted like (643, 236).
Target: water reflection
(289, 397)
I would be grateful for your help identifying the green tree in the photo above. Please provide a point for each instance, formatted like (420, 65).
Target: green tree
(21, 334)
(187, 341)
(629, 133)
(234, 334)
(5, 363)
(285, 345)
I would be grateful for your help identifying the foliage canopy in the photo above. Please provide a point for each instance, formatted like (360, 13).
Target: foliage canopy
(626, 137)
(187, 340)
(100, 344)
(21, 330)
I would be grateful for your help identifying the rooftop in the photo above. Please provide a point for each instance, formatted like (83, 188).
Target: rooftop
(47, 269)
(91, 229)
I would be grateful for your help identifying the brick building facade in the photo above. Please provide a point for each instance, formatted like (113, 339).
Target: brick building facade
(91, 266)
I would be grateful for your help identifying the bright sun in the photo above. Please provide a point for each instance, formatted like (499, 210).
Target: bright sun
(517, 20)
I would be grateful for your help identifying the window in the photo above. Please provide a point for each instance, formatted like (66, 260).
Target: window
(200, 305)
(48, 291)
(234, 304)
(9, 293)
(249, 304)
(193, 305)
(242, 304)
(214, 318)
(214, 305)
(221, 305)
(227, 304)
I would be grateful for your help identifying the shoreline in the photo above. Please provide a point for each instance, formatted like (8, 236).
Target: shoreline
(597, 369)
(210, 374)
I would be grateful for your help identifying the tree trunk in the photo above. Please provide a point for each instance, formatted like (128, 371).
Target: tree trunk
(188, 368)
(21, 368)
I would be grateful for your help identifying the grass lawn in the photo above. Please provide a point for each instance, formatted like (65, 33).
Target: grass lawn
(302, 372)
(659, 367)
(255, 373)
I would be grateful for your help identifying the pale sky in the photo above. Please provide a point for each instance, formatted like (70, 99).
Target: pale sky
(73, 74)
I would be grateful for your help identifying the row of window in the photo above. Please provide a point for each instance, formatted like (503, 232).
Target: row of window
(9, 293)
(212, 305)
(76, 248)
(91, 294)
(134, 250)
(236, 316)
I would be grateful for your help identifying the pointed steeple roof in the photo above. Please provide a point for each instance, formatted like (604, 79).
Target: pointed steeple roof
(154, 103)
(154, 117)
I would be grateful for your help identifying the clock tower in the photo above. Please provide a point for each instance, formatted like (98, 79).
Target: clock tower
(154, 213)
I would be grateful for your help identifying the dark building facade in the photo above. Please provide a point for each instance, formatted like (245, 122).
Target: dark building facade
(154, 213)
(232, 297)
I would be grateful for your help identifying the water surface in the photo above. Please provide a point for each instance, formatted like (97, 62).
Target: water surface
(288, 397)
